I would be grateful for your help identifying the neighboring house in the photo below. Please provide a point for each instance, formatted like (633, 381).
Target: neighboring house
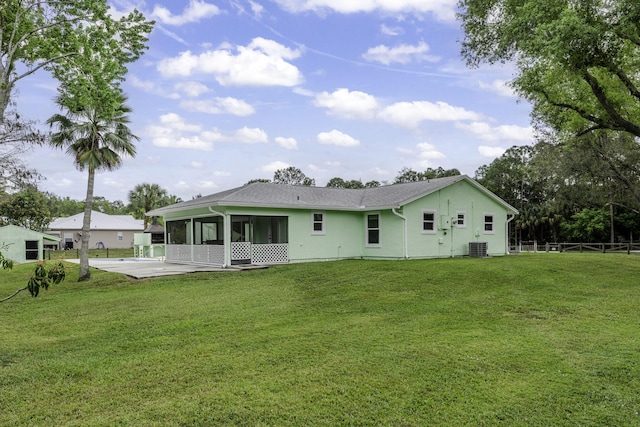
(107, 231)
(22, 245)
(272, 223)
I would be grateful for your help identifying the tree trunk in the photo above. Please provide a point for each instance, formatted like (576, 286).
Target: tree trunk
(5, 96)
(611, 219)
(85, 271)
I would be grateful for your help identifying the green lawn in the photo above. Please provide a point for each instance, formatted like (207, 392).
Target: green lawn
(529, 340)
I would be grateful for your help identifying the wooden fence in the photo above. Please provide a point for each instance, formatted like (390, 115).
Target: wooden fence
(627, 248)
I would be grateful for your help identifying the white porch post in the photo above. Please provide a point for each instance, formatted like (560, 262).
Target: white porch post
(227, 239)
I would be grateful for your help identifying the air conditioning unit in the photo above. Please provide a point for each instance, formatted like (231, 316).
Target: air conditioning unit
(478, 249)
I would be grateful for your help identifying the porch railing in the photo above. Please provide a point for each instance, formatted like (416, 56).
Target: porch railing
(271, 253)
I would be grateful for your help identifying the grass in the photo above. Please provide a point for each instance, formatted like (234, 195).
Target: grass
(530, 340)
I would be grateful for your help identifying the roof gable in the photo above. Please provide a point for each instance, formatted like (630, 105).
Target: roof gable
(270, 195)
(14, 229)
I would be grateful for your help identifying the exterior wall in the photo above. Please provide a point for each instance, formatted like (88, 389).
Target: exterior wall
(449, 238)
(344, 233)
(15, 238)
(108, 238)
(342, 238)
(391, 236)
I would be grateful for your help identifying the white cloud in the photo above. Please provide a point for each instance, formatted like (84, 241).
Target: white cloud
(501, 87)
(380, 171)
(175, 122)
(410, 114)
(492, 152)
(150, 87)
(194, 12)
(428, 151)
(335, 137)
(391, 31)
(251, 135)
(227, 105)
(190, 143)
(423, 154)
(288, 143)
(262, 62)
(510, 133)
(191, 89)
(315, 168)
(402, 54)
(173, 132)
(304, 92)
(257, 9)
(442, 9)
(197, 165)
(206, 185)
(348, 104)
(274, 166)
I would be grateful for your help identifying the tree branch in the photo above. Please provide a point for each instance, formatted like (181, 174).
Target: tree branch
(14, 294)
(39, 66)
(583, 113)
(633, 90)
(598, 91)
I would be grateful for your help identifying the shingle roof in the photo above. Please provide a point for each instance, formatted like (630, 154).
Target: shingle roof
(304, 197)
(99, 221)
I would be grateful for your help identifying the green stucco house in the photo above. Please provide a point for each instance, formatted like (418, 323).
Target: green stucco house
(23, 245)
(263, 223)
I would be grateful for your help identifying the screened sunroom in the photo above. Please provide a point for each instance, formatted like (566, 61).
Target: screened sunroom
(228, 239)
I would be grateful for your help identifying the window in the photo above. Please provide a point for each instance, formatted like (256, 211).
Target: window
(31, 252)
(208, 230)
(120, 236)
(317, 223)
(373, 229)
(428, 222)
(179, 232)
(461, 220)
(488, 224)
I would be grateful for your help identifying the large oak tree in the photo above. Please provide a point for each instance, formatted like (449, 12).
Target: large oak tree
(578, 62)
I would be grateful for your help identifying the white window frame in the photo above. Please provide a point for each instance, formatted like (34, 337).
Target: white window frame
(120, 236)
(322, 223)
(462, 214)
(434, 221)
(485, 223)
(367, 229)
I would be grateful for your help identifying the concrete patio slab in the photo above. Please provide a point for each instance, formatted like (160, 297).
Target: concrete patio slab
(140, 268)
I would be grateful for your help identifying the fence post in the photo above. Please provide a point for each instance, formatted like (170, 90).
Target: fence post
(107, 252)
(628, 248)
(604, 247)
(580, 247)
(546, 247)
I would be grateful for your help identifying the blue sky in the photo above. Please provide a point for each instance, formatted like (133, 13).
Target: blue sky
(231, 90)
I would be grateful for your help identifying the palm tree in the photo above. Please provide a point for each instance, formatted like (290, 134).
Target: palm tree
(96, 137)
(145, 197)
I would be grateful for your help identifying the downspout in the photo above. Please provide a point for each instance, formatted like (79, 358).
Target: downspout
(405, 231)
(508, 252)
(226, 232)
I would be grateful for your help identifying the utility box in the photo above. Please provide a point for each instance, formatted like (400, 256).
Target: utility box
(478, 249)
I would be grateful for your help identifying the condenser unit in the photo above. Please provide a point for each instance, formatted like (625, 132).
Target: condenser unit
(478, 249)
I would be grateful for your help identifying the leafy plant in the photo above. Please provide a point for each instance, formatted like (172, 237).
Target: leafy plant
(43, 277)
